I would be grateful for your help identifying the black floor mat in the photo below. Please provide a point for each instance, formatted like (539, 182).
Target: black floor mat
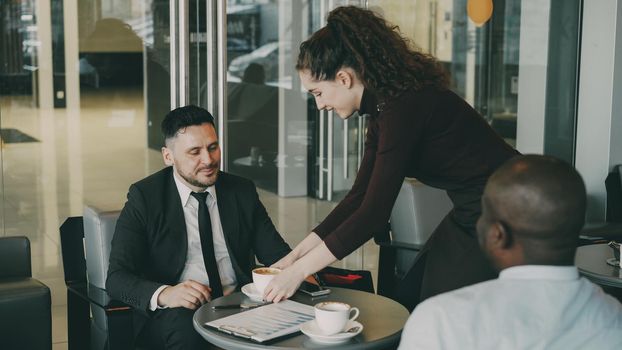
(15, 136)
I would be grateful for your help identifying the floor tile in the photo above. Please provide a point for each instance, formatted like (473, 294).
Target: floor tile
(59, 324)
(60, 346)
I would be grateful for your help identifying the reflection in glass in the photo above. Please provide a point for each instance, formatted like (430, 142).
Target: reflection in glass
(18, 49)
(276, 135)
(253, 82)
(483, 62)
(562, 79)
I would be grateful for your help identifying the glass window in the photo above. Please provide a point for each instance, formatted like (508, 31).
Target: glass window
(482, 62)
(562, 79)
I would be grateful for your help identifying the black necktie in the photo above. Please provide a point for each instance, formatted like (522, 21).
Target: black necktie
(207, 245)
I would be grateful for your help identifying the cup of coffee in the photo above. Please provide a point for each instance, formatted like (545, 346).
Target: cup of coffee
(262, 277)
(332, 316)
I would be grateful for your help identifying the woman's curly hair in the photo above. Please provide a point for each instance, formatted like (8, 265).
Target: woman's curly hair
(382, 58)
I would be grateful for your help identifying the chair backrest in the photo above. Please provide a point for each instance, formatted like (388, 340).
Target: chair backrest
(99, 226)
(613, 183)
(417, 211)
(15, 257)
(72, 248)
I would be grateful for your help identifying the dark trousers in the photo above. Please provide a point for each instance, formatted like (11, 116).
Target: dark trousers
(451, 259)
(172, 329)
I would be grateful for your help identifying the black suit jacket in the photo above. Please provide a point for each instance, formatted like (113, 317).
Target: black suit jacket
(150, 240)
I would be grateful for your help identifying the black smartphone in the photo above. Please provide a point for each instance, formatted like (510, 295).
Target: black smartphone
(313, 289)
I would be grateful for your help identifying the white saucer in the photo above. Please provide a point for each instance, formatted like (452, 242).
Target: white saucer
(250, 291)
(312, 330)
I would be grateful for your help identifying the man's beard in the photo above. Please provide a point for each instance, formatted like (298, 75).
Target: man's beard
(194, 182)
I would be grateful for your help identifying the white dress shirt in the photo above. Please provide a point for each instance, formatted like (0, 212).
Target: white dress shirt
(527, 307)
(195, 265)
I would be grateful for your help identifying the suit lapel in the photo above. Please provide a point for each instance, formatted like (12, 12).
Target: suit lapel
(228, 210)
(229, 218)
(175, 213)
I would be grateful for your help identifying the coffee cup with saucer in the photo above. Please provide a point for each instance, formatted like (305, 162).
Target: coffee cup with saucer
(313, 331)
(261, 278)
(334, 322)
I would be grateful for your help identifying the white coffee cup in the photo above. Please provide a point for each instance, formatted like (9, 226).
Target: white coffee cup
(332, 316)
(262, 277)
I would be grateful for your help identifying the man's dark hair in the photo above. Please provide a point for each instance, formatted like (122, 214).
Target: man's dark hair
(541, 200)
(183, 117)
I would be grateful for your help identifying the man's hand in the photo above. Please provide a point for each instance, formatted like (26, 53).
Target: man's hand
(189, 294)
(283, 285)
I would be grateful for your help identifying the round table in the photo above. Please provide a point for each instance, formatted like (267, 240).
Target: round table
(592, 263)
(382, 319)
(591, 260)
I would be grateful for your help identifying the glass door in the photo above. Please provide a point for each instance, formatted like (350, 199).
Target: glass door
(482, 62)
(338, 144)
(301, 159)
(276, 135)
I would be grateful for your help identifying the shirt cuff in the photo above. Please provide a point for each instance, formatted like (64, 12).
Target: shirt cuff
(153, 303)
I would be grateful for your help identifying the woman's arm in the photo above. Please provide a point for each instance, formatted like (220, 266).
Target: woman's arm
(400, 129)
(310, 242)
(285, 284)
(312, 254)
(345, 208)
(355, 196)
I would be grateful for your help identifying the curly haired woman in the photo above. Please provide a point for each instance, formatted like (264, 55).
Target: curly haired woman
(418, 128)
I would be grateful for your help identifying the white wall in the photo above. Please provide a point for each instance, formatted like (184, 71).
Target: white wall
(599, 120)
(534, 44)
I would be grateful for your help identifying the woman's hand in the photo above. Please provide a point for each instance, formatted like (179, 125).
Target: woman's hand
(311, 241)
(283, 285)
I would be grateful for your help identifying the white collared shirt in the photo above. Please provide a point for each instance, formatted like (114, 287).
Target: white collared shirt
(527, 307)
(195, 265)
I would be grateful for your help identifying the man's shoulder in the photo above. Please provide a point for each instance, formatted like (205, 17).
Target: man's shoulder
(600, 304)
(155, 188)
(465, 299)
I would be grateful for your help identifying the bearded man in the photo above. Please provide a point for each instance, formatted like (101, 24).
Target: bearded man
(186, 235)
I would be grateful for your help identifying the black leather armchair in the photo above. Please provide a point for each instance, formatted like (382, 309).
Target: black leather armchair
(25, 303)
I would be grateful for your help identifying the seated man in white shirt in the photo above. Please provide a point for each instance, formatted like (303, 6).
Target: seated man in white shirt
(532, 211)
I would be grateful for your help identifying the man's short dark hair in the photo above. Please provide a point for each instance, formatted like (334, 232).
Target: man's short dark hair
(183, 117)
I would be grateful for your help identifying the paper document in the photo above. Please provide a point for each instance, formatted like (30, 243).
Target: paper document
(266, 322)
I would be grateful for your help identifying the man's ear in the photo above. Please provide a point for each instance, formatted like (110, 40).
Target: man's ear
(344, 78)
(167, 155)
(499, 236)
